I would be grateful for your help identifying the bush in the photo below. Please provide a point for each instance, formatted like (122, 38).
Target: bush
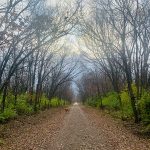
(7, 114)
(63, 102)
(44, 102)
(92, 102)
(23, 97)
(126, 104)
(55, 102)
(144, 106)
(10, 98)
(23, 107)
(2, 142)
(111, 101)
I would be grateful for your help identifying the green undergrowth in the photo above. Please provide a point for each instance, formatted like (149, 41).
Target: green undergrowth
(2, 142)
(8, 114)
(112, 106)
(25, 107)
(144, 106)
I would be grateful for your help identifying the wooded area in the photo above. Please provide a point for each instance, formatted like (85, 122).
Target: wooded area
(117, 35)
(37, 70)
(34, 68)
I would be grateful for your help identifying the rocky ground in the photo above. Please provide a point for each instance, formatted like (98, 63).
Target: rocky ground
(80, 128)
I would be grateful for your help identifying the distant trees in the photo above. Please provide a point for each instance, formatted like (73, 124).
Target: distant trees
(93, 85)
(117, 36)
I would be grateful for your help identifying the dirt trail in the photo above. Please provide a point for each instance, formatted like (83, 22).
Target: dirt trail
(88, 129)
(77, 133)
(79, 129)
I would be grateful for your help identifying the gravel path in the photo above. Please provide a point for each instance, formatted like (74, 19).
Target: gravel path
(79, 129)
(78, 134)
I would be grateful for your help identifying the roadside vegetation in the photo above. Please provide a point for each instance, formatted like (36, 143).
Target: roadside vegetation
(111, 104)
(116, 62)
(23, 107)
(36, 70)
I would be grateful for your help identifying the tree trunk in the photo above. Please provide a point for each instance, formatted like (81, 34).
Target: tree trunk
(4, 99)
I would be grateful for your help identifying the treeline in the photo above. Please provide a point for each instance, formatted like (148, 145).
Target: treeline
(32, 61)
(117, 36)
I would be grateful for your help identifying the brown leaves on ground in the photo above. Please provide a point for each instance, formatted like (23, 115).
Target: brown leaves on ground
(32, 132)
(80, 128)
(115, 130)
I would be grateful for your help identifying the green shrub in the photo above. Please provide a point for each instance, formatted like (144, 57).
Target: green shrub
(55, 102)
(126, 104)
(2, 142)
(23, 107)
(7, 114)
(134, 88)
(92, 102)
(144, 106)
(10, 98)
(44, 102)
(111, 101)
(23, 97)
(62, 102)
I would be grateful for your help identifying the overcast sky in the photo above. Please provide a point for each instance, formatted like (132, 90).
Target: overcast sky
(54, 2)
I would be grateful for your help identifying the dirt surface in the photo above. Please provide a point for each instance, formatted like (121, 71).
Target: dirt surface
(32, 132)
(81, 128)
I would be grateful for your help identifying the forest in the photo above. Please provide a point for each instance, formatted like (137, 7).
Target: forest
(95, 52)
(117, 76)
(35, 71)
